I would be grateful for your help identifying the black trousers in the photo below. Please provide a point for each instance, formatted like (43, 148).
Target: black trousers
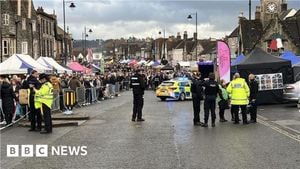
(253, 110)
(196, 108)
(138, 103)
(35, 117)
(47, 117)
(209, 106)
(221, 113)
(235, 110)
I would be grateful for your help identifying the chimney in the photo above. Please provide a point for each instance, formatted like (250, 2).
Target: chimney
(195, 36)
(178, 36)
(257, 13)
(185, 36)
(241, 17)
(284, 5)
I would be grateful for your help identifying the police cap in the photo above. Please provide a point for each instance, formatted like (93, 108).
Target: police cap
(43, 76)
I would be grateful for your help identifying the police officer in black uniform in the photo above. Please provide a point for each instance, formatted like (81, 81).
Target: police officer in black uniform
(211, 91)
(137, 83)
(197, 95)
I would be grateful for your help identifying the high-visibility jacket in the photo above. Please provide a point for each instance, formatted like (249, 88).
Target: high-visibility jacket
(44, 95)
(239, 91)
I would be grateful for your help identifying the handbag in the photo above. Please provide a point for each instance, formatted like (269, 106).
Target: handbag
(223, 104)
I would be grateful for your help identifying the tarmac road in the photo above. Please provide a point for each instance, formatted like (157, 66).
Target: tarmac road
(166, 140)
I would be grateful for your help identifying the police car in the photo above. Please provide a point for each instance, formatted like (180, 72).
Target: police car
(178, 89)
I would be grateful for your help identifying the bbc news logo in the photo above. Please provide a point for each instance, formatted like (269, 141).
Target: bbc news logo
(43, 151)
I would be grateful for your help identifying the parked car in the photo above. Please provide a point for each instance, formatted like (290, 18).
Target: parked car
(179, 89)
(291, 92)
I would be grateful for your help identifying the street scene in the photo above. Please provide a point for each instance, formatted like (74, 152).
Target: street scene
(150, 84)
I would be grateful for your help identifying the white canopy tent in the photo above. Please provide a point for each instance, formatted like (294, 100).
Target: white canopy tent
(19, 64)
(51, 63)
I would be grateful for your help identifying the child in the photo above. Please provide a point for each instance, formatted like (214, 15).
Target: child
(223, 104)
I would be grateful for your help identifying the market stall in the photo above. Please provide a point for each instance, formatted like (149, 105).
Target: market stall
(21, 64)
(271, 73)
(51, 63)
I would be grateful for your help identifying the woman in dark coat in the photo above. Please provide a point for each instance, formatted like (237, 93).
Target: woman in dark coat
(7, 96)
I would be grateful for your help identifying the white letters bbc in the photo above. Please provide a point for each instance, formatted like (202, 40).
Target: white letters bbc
(12, 150)
(41, 150)
(26, 150)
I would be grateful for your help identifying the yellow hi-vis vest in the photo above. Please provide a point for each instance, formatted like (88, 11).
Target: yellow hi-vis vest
(239, 91)
(44, 95)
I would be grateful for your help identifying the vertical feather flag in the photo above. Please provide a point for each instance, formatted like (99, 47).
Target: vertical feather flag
(224, 60)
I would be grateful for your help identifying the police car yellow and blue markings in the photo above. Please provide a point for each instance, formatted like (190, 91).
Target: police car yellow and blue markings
(174, 88)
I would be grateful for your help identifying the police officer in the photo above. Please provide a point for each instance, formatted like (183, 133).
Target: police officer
(211, 91)
(253, 85)
(137, 83)
(239, 91)
(43, 101)
(35, 114)
(197, 95)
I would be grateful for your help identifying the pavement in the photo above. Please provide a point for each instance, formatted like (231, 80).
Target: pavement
(166, 140)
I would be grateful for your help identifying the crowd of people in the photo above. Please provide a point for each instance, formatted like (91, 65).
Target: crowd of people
(109, 85)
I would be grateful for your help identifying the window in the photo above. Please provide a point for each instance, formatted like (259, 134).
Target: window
(23, 23)
(12, 48)
(24, 48)
(33, 25)
(6, 19)
(43, 26)
(5, 47)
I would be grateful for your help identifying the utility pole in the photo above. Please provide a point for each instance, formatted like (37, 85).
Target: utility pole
(249, 10)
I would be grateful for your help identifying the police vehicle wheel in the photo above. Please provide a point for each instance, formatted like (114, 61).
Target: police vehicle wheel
(163, 99)
(181, 96)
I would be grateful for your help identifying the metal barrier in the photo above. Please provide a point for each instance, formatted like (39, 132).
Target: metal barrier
(80, 96)
(56, 101)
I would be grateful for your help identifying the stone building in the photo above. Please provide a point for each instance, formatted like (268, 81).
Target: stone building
(46, 30)
(18, 28)
(275, 29)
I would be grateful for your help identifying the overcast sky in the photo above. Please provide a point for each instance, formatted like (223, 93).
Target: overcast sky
(145, 18)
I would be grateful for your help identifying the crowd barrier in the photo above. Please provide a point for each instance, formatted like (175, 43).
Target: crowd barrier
(56, 100)
(80, 96)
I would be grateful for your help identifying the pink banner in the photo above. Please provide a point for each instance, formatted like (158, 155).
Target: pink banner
(224, 60)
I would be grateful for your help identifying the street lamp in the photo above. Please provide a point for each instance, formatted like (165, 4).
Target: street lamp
(85, 36)
(196, 37)
(163, 59)
(72, 6)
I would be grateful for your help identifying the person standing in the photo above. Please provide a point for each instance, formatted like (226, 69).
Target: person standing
(43, 101)
(253, 85)
(197, 95)
(239, 91)
(137, 83)
(211, 91)
(7, 96)
(35, 114)
(223, 103)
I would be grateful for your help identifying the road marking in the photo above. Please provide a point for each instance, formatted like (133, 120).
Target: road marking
(294, 137)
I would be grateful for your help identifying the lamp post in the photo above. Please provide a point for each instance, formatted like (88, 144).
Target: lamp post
(85, 36)
(72, 5)
(163, 44)
(196, 37)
